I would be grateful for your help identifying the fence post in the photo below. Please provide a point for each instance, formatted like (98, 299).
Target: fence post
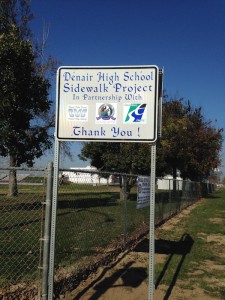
(53, 221)
(46, 239)
(125, 208)
(170, 198)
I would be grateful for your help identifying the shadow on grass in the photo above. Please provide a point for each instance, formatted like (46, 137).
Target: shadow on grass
(182, 247)
(26, 223)
(88, 201)
(171, 248)
(69, 200)
(21, 206)
(132, 197)
(212, 197)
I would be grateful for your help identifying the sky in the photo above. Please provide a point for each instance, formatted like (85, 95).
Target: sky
(186, 38)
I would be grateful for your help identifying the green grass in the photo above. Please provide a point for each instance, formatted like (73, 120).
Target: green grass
(19, 245)
(20, 230)
(198, 226)
(34, 179)
(22, 189)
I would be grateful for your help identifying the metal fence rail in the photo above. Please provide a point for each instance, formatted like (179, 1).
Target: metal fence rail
(21, 231)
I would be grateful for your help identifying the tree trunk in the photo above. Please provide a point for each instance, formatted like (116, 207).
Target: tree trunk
(13, 191)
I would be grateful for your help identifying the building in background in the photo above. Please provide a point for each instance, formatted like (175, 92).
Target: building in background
(87, 175)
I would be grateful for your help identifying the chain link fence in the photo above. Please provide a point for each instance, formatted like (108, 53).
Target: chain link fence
(172, 196)
(97, 219)
(94, 211)
(21, 232)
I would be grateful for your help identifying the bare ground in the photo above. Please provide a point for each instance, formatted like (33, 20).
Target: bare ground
(126, 277)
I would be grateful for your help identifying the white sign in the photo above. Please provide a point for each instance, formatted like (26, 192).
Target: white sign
(143, 191)
(107, 103)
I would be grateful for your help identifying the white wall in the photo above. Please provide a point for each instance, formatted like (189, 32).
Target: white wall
(166, 183)
(86, 178)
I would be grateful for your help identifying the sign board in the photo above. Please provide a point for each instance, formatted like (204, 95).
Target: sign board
(143, 191)
(107, 104)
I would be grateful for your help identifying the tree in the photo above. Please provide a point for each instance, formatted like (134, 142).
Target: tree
(189, 143)
(170, 150)
(223, 180)
(24, 91)
(130, 158)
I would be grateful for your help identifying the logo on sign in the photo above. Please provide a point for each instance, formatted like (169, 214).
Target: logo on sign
(105, 113)
(77, 112)
(134, 113)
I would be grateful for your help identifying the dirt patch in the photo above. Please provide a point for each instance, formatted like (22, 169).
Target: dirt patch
(177, 218)
(182, 294)
(210, 265)
(217, 221)
(216, 238)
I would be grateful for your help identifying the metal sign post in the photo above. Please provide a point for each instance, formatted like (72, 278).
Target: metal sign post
(152, 223)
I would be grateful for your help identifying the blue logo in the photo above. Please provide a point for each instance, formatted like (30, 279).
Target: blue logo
(135, 113)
